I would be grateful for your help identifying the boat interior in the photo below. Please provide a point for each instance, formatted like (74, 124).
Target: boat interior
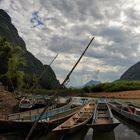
(80, 117)
(103, 116)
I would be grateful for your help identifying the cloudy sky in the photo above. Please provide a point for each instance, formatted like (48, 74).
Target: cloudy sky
(65, 27)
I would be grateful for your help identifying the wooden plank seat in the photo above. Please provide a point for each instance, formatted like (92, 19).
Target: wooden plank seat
(81, 119)
(103, 115)
(76, 121)
(66, 126)
(103, 121)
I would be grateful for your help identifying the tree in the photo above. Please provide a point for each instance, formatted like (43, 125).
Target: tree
(15, 61)
(13, 58)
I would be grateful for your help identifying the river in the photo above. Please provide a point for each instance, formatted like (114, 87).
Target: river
(125, 131)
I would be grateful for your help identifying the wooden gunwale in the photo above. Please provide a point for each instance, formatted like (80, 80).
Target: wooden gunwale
(76, 121)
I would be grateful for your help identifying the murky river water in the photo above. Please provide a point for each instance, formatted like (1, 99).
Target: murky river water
(125, 131)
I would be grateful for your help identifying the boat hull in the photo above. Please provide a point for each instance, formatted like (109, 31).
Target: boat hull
(125, 114)
(77, 121)
(103, 119)
(104, 127)
(10, 126)
(61, 118)
(71, 130)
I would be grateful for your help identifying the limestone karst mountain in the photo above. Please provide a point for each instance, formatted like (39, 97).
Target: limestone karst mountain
(34, 67)
(133, 73)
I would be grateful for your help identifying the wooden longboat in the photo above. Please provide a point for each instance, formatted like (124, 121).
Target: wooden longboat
(59, 115)
(50, 118)
(19, 121)
(130, 112)
(103, 119)
(77, 121)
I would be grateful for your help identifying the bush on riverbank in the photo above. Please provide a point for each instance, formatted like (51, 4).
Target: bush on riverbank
(114, 86)
(104, 87)
(59, 92)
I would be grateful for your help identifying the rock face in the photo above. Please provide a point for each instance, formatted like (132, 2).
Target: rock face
(133, 73)
(8, 30)
(34, 66)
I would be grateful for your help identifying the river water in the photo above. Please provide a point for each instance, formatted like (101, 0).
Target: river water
(125, 131)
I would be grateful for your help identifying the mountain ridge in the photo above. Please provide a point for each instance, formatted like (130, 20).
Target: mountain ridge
(92, 83)
(34, 66)
(132, 73)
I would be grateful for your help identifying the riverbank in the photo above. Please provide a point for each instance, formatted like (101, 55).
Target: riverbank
(7, 102)
(134, 94)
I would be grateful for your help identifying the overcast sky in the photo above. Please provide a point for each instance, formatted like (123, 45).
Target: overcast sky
(65, 27)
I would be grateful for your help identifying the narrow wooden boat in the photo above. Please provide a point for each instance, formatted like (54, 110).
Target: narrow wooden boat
(57, 115)
(51, 118)
(127, 111)
(103, 119)
(77, 121)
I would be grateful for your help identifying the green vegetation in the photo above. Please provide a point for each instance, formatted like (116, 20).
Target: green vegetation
(104, 87)
(59, 92)
(114, 86)
(13, 58)
(14, 62)
(16, 73)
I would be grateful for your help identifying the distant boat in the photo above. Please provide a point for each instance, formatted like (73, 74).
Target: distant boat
(33, 102)
(41, 101)
(103, 119)
(63, 100)
(26, 104)
(38, 101)
(77, 121)
(127, 111)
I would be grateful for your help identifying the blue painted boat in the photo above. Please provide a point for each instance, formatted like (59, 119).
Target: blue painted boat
(51, 118)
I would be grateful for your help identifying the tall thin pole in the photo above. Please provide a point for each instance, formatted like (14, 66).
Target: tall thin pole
(67, 77)
(43, 73)
(44, 110)
(53, 59)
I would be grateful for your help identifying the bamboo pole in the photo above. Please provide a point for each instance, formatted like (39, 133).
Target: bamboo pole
(36, 123)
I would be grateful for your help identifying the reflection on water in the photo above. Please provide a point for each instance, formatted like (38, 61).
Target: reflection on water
(104, 136)
(79, 135)
(132, 126)
(125, 131)
(122, 132)
(91, 135)
(11, 136)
